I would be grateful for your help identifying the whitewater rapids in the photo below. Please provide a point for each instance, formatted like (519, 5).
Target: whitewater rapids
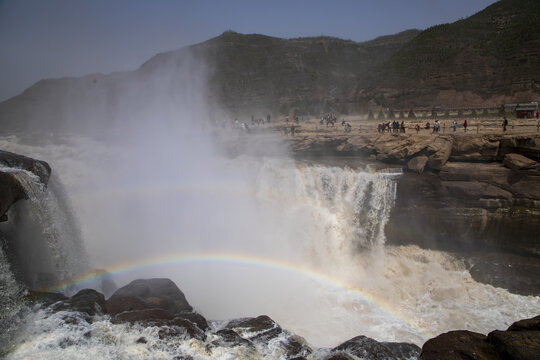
(302, 243)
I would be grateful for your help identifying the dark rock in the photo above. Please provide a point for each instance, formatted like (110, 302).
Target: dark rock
(87, 301)
(458, 345)
(259, 328)
(369, 349)
(11, 191)
(149, 293)
(340, 356)
(38, 167)
(169, 325)
(467, 207)
(142, 315)
(532, 324)
(229, 338)
(263, 329)
(179, 328)
(120, 303)
(45, 298)
(195, 318)
(516, 345)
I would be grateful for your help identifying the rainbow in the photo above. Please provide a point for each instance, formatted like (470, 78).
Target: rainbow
(239, 259)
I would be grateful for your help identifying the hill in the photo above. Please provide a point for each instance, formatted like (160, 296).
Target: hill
(491, 57)
(486, 60)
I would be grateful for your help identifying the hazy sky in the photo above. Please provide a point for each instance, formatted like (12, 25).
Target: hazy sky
(54, 38)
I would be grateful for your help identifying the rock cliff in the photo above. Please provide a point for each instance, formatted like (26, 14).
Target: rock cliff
(465, 193)
(10, 188)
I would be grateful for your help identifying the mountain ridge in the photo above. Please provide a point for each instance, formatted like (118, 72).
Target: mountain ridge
(486, 60)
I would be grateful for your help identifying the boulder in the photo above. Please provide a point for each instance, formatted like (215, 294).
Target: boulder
(88, 302)
(441, 149)
(520, 342)
(147, 294)
(10, 188)
(38, 167)
(264, 329)
(458, 345)
(365, 348)
(519, 162)
(259, 328)
(532, 324)
(179, 328)
(11, 191)
(142, 315)
(418, 163)
(229, 338)
(516, 345)
(399, 149)
(474, 149)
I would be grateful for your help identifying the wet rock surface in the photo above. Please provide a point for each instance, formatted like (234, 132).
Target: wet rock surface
(366, 348)
(149, 293)
(520, 341)
(11, 190)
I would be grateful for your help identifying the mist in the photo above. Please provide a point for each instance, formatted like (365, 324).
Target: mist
(147, 168)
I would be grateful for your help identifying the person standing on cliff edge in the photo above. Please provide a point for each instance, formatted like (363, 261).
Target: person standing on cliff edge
(505, 123)
(465, 125)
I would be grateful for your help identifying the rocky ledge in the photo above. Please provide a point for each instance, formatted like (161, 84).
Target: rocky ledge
(160, 304)
(466, 193)
(11, 189)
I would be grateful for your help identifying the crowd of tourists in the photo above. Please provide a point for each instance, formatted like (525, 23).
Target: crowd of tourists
(394, 126)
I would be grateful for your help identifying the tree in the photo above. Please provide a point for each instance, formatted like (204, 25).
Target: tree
(370, 115)
(391, 114)
(401, 115)
(381, 115)
(473, 113)
(485, 113)
(411, 114)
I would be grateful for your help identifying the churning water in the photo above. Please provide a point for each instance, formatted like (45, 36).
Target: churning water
(302, 243)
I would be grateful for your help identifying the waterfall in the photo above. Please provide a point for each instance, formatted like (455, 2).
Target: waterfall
(11, 302)
(339, 210)
(44, 237)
